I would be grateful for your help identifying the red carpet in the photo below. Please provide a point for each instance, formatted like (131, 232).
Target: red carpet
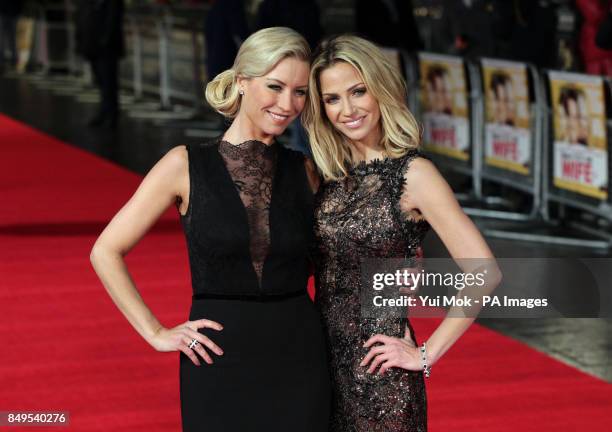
(66, 347)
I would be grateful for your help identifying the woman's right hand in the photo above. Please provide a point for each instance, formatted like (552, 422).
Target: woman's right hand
(179, 338)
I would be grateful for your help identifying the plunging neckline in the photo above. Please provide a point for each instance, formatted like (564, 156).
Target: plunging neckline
(234, 197)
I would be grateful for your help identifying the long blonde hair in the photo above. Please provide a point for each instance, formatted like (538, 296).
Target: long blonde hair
(257, 55)
(400, 130)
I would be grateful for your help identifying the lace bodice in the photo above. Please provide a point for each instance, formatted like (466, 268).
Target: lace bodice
(360, 217)
(249, 221)
(251, 165)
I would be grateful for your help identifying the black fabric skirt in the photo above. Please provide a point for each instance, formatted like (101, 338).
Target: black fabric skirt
(273, 375)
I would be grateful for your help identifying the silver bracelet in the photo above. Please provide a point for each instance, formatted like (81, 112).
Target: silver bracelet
(426, 368)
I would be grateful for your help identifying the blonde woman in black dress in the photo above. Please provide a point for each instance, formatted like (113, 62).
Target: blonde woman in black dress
(378, 199)
(252, 354)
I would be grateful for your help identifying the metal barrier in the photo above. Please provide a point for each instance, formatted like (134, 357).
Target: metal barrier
(48, 56)
(56, 36)
(593, 200)
(591, 191)
(165, 45)
(142, 73)
(586, 139)
(450, 103)
(131, 72)
(530, 173)
(447, 93)
(445, 104)
(186, 73)
(508, 135)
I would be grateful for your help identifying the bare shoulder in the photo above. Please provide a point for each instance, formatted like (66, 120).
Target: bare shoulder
(424, 183)
(313, 174)
(427, 191)
(420, 172)
(176, 159)
(164, 185)
(174, 166)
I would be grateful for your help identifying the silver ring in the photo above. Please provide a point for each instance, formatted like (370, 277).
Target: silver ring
(193, 343)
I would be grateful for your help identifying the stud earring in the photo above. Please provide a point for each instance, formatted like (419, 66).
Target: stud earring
(241, 92)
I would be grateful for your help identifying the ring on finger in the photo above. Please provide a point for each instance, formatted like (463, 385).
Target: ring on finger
(193, 343)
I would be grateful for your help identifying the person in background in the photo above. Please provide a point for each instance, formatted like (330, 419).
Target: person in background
(603, 38)
(389, 23)
(471, 27)
(225, 29)
(99, 39)
(303, 16)
(9, 13)
(527, 29)
(596, 60)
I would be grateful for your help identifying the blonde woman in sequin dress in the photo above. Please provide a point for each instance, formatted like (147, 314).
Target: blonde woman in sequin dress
(378, 198)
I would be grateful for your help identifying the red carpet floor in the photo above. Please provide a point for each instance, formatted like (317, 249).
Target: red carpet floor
(66, 347)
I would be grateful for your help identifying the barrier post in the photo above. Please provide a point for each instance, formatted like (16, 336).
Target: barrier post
(593, 199)
(163, 22)
(136, 57)
(513, 78)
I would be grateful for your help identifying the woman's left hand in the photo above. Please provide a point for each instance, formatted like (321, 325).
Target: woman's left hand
(392, 352)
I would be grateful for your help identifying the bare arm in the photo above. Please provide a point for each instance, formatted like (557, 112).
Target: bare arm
(167, 181)
(428, 192)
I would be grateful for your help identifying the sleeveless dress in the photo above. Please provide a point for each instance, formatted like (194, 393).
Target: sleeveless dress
(359, 217)
(248, 228)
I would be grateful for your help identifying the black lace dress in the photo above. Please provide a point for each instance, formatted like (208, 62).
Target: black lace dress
(360, 217)
(249, 227)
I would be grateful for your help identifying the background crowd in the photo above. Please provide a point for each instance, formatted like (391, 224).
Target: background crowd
(571, 35)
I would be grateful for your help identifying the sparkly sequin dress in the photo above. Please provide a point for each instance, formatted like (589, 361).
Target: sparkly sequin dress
(249, 227)
(359, 217)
